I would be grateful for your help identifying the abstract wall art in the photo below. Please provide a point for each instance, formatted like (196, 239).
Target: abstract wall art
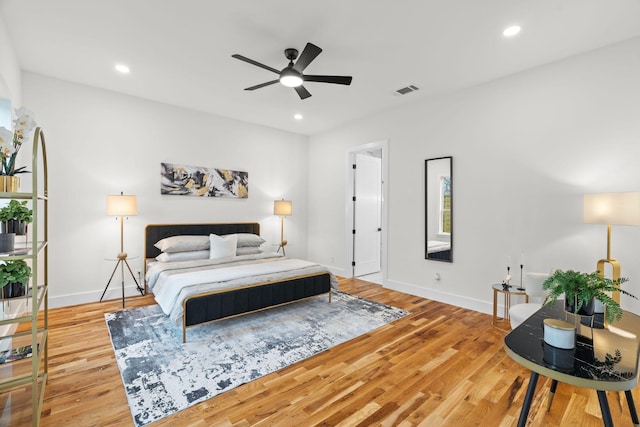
(184, 180)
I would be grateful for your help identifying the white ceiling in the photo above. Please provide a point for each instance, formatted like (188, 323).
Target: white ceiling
(179, 51)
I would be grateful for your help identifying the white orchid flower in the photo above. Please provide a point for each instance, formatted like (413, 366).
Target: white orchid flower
(6, 142)
(24, 123)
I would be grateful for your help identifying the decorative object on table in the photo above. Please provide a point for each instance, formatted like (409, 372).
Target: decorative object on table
(282, 208)
(15, 217)
(580, 290)
(201, 181)
(521, 287)
(14, 276)
(122, 205)
(611, 209)
(507, 278)
(559, 333)
(162, 376)
(10, 143)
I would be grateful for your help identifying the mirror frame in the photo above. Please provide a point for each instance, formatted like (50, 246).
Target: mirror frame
(447, 254)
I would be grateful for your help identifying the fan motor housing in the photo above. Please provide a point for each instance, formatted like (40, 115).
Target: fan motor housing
(291, 54)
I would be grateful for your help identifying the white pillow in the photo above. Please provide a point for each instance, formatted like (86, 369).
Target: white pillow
(183, 243)
(249, 240)
(182, 256)
(222, 246)
(248, 251)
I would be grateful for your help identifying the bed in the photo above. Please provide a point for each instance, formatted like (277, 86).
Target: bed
(437, 249)
(193, 289)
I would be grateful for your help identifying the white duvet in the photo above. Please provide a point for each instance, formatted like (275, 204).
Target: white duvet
(172, 282)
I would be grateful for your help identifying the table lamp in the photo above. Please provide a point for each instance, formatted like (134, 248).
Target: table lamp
(612, 209)
(282, 208)
(122, 205)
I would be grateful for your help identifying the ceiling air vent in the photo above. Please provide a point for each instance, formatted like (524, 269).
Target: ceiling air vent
(406, 90)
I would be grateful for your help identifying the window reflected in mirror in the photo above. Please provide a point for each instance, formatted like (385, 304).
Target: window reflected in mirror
(439, 209)
(5, 113)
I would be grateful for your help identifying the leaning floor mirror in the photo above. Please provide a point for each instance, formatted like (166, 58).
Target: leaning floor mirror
(439, 209)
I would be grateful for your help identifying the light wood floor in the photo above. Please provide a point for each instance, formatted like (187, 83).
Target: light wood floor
(440, 366)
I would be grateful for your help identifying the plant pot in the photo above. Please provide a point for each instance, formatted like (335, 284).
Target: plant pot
(13, 290)
(14, 226)
(10, 183)
(585, 310)
(7, 242)
(598, 306)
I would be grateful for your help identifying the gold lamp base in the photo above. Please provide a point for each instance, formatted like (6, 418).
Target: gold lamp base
(615, 274)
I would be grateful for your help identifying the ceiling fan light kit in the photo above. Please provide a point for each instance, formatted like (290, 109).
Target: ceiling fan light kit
(292, 75)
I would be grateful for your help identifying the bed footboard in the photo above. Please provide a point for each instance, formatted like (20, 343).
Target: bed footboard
(213, 306)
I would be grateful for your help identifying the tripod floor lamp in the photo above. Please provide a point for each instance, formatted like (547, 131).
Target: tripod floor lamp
(122, 205)
(612, 209)
(282, 208)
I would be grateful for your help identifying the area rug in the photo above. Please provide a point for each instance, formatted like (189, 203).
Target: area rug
(161, 375)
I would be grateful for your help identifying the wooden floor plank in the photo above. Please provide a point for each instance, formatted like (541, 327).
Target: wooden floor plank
(441, 365)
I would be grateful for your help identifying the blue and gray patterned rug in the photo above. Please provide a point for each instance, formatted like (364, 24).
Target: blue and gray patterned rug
(162, 376)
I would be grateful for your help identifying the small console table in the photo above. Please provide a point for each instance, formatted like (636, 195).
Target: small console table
(507, 291)
(605, 358)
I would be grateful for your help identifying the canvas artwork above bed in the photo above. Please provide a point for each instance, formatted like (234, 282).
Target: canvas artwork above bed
(185, 180)
(204, 272)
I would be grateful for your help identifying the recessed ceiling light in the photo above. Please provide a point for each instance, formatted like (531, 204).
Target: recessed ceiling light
(122, 68)
(297, 116)
(511, 31)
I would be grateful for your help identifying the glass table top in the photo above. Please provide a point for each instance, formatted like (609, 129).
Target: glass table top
(605, 356)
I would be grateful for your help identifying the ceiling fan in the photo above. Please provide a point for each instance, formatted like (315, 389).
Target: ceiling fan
(292, 75)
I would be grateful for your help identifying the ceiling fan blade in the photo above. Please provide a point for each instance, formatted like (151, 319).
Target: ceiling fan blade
(339, 80)
(308, 54)
(262, 85)
(302, 92)
(257, 64)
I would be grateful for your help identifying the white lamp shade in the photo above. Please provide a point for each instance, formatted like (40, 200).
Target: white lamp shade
(122, 205)
(612, 208)
(282, 207)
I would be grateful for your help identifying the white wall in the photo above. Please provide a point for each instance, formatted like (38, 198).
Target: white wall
(101, 142)
(525, 149)
(10, 86)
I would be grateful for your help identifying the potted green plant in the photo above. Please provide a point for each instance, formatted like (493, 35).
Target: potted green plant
(15, 217)
(14, 276)
(581, 289)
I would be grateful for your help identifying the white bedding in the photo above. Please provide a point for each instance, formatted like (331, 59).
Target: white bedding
(437, 246)
(172, 282)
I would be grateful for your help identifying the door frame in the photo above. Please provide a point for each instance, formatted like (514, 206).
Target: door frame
(349, 214)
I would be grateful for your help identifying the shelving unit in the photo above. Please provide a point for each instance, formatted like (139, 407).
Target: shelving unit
(24, 320)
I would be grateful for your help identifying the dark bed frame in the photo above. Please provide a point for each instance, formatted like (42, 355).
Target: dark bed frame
(212, 306)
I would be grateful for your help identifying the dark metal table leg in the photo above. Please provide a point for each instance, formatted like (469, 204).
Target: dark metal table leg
(632, 408)
(552, 393)
(604, 408)
(528, 398)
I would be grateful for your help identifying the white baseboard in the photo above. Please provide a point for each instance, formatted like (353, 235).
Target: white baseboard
(91, 296)
(445, 297)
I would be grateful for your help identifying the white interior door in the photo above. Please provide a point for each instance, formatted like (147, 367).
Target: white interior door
(367, 214)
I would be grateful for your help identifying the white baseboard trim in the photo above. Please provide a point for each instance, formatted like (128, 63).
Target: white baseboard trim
(445, 297)
(336, 271)
(92, 296)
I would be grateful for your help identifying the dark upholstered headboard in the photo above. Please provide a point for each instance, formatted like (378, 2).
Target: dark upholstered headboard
(155, 232)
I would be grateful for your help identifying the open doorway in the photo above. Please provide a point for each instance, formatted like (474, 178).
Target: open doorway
(366, 213)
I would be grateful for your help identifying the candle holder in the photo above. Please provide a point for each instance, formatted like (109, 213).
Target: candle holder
(521, 288)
